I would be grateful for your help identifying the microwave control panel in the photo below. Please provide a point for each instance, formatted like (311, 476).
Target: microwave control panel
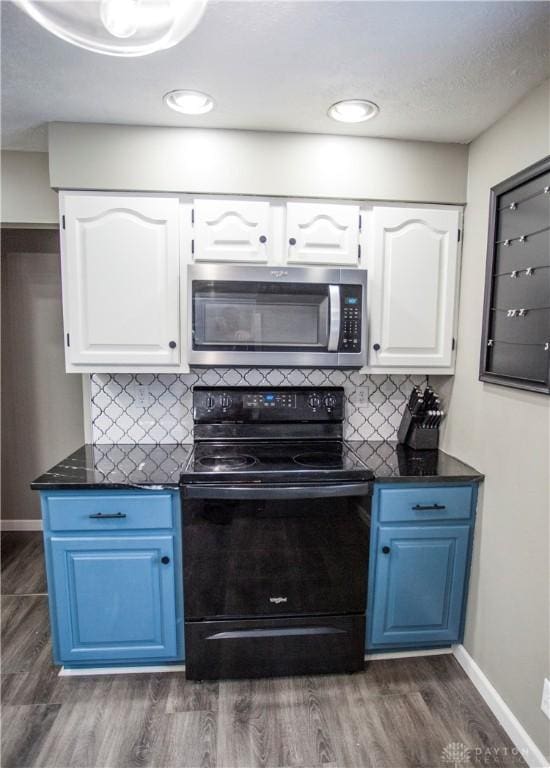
(351, 313)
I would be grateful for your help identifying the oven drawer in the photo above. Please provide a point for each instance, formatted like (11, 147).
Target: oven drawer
(274, 647)
(428, 504)
(89, 511)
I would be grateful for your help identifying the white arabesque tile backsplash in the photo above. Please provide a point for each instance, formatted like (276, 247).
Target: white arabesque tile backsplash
(119, 417)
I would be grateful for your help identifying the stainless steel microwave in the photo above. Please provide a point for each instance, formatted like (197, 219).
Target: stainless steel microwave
(277, 316)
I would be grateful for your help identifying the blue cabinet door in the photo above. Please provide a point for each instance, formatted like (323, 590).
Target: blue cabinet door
(113, 597)
(420, 574)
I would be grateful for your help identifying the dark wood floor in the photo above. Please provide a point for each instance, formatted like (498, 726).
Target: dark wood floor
(398, 713)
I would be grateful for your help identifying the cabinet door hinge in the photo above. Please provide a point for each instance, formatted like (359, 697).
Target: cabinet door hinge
(192, 215)
(459, 235)
(68, 339)
(454, 343)
(63, 221)
(192, 246)
(359, 252)
(360, 223)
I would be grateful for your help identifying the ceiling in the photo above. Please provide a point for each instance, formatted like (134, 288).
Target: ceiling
(441, 71)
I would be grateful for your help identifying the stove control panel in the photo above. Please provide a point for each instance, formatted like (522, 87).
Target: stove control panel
(272, 399)
(212, 405)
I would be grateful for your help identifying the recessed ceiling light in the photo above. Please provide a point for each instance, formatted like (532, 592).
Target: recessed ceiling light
(189, 102)
(353, 110)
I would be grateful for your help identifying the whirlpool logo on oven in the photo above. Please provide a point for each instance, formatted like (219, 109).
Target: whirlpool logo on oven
(278, 600)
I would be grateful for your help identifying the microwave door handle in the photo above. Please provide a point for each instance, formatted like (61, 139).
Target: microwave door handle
(334, 318)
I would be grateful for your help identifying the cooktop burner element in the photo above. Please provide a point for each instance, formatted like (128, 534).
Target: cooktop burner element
(319, 459)
(221, 463)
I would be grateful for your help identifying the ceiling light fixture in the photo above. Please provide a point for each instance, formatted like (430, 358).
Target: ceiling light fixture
(117, 27)
(189, 102)
(353, 110)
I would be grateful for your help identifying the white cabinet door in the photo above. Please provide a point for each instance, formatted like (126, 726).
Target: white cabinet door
(121, 280)
(231, 230)
(412, 284)
(322, 233)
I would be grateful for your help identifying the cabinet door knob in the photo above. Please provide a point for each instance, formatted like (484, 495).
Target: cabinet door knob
(165, 560)
(386, 550)
(263, 239)
(292, 241)
(376, 347)
(172, 344)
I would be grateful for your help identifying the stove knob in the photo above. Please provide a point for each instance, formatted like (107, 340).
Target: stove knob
(210, 402)
(330, 402)
(314, 401)
(225, 401)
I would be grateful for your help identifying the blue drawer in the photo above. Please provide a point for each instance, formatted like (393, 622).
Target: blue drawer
(89, 511)
(429, 504)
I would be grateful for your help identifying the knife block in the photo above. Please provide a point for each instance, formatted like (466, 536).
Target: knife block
(422, 439)
(412, 434)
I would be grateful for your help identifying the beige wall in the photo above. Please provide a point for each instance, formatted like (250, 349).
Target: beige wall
(42, 420)
(118, 157)
(26, 194)
(504, 433)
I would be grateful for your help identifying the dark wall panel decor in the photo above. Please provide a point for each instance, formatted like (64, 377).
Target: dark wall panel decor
(515, 343)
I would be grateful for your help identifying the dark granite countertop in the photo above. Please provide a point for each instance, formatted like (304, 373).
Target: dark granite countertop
(159, 466)
(393, 463)
(117, 466)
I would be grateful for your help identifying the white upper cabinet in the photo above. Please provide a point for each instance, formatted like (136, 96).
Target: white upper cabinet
(120, 261)
(412, 261)
(228, 230)
(322, 233)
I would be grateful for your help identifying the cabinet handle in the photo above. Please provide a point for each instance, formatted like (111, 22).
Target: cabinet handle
(172, 344)
(376, 347)
(165, 560)
(292, 241)
(263, 239)
(427, 507)
(386, 550)
(101, 516)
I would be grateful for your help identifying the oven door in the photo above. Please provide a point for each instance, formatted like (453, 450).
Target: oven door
(259, 315)
(267, 552)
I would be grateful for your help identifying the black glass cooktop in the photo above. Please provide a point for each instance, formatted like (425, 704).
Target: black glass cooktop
(274, 461)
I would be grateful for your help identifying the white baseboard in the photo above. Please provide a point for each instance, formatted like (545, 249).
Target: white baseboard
(517, 733)
(83, 671)
(21, 525)
(382, 656)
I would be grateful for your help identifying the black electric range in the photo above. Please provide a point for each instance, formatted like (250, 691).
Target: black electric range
(276, 511)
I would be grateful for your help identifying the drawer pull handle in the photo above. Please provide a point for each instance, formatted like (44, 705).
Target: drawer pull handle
(238, 634)
(427, 507)
(101, 516)
(386, 550)
(165, 560)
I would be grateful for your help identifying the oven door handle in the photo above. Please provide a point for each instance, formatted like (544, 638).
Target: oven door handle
(334, 318)
(276, 491)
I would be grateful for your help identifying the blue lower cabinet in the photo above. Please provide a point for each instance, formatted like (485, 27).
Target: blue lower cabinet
(115, 597)
(420, 575)
(421, 541)
(115, 594)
